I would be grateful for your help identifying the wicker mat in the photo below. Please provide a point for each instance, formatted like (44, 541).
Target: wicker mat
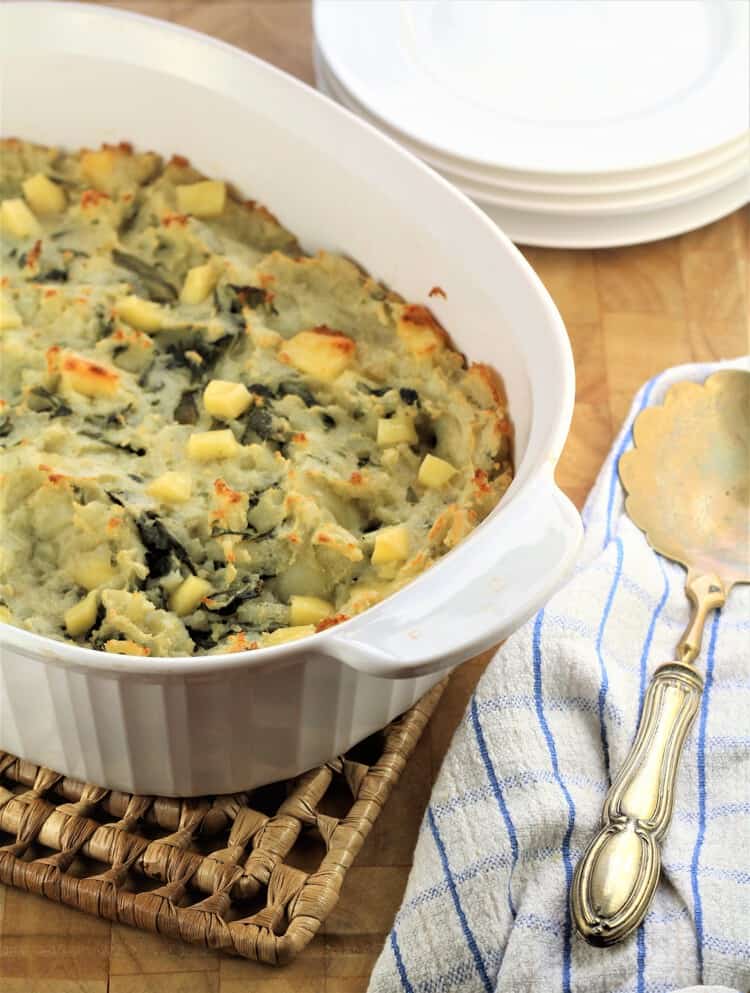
(252, 874)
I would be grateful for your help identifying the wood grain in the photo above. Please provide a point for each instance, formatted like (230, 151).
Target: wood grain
(630, 312)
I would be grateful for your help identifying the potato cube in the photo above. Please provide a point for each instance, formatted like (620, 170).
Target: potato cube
(5, 615)
(391, 545)
(98, 167)
(419, 331)
(282, 635)
(393, 430)
(188, 595)
(44, 196)
(81, 616)
(435, 472)
(125, 647)
(204, 199)
(308, 609)
(145, 315)
(203, 446)
(9, 316)
(92, 569)
(16, 218)
(90, 379)
(199, 282)
(321, 353)
(226, 400)
(171, 487)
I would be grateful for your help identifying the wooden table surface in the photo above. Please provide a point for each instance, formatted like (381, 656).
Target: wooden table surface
(630, 313)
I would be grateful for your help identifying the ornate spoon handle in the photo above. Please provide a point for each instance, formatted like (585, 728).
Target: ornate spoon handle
(616, 878)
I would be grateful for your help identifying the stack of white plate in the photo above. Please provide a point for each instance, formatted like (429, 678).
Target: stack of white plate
(574, 123)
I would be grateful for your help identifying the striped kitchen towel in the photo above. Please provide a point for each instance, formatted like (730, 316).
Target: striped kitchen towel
(521, 789)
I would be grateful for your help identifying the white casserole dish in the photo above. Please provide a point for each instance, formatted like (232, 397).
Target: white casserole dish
(78, 75)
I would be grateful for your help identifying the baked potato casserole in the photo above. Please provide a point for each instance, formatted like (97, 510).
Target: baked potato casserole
(212, 441)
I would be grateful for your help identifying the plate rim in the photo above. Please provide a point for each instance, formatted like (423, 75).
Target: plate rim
(326, 14)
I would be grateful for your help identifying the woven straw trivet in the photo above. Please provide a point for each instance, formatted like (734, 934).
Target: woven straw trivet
(223, 872)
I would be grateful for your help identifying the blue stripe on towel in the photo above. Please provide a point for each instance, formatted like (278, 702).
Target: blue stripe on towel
(565, 846)
(523, 701)
(604, 686)
(468, 934)
(406, 986)
(626, 440)
(694, 866)
(518, 781)
(498, 793)
(727, 946)
(641, 956)
(739, 876)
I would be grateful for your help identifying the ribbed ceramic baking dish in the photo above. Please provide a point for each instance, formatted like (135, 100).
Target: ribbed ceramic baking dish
(76, 75)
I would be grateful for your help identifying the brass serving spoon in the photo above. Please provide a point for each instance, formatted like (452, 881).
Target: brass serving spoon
(688, 489)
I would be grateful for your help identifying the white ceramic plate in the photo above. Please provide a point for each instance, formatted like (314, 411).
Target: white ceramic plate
(554, 230)
(462, 171)
(564, 86)
(696, 182)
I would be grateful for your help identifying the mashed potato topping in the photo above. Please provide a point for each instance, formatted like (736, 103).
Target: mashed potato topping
(210, 440)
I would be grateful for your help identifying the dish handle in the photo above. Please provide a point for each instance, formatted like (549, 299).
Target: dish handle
(474, 597)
